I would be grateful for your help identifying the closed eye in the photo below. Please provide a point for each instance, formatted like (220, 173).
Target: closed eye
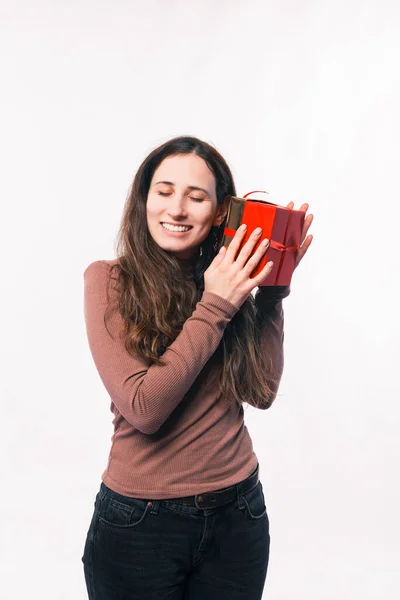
(192, 197)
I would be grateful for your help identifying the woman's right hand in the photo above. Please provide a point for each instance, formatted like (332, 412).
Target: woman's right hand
(229, 277)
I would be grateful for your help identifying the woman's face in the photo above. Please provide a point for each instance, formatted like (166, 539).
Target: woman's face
(182, 193)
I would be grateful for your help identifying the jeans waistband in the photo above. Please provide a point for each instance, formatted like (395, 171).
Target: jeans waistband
(216, 498)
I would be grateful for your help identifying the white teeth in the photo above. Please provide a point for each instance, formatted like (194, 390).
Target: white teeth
(174, 228)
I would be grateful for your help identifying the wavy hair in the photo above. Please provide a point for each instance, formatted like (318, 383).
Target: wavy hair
(156, 295)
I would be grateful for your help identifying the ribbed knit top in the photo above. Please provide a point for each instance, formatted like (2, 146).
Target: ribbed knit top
(172, 435)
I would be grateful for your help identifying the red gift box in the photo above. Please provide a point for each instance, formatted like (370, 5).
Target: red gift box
(281, 225)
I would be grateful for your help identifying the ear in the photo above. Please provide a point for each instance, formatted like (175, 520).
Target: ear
(221, 212)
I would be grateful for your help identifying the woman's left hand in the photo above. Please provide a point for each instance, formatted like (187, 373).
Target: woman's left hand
(304, 243)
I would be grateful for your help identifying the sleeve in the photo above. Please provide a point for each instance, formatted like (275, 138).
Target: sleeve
(270, 318)
(143, 392)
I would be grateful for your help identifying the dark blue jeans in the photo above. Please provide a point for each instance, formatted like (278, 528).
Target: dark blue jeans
(155, 549)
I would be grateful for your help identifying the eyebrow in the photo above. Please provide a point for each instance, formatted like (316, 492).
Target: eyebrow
(189, 187)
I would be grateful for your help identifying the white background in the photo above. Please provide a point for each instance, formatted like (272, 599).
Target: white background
(302, 99)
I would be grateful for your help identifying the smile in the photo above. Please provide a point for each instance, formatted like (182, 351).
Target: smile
(176, 228)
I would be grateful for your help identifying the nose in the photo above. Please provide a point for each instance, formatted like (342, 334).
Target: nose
(177, 206)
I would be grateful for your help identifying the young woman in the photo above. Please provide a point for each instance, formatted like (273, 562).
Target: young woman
(180, 345)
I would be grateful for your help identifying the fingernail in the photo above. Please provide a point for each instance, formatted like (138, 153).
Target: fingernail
(243, 227)
(258, 231)
(265, 242)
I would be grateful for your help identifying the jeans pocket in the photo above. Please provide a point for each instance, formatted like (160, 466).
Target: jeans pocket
(255, 502)
(90, 532)
(121, 511)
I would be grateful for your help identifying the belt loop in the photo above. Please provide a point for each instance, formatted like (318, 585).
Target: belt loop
(239, 487)
(240, 496)
(103, 491)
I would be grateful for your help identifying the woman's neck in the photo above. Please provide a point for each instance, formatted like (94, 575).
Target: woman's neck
(187, 264)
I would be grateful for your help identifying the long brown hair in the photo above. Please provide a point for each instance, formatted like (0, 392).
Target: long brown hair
(156, 295)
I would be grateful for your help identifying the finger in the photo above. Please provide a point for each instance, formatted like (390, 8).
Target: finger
(307, 221)
(235, 244)
(306, 226)
(218, 258)
(304, 207)
(248, 248)
(263, 274)
(302, 251)
(255, 259)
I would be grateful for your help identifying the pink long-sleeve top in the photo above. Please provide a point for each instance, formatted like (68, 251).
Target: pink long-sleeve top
(172, 435)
